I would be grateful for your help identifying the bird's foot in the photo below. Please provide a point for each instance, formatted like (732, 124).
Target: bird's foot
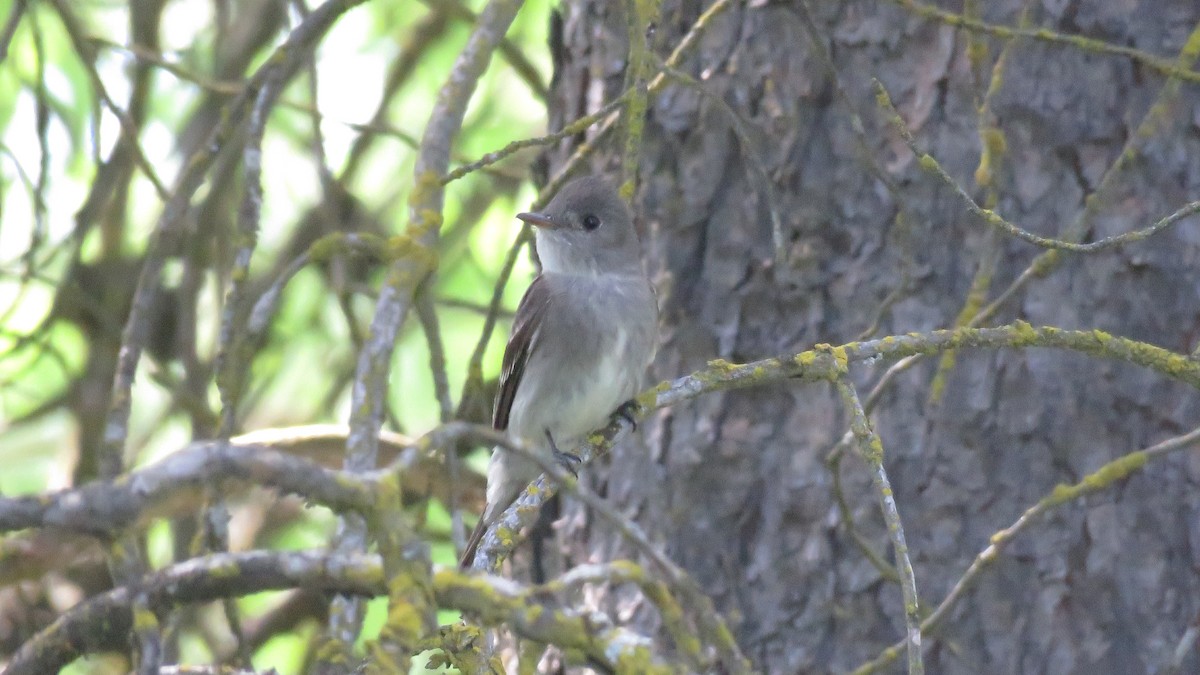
(569, 461)
(628, 411)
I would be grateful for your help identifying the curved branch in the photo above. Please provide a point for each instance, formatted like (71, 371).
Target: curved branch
(103, 622)
(106, 508)
(995, 220)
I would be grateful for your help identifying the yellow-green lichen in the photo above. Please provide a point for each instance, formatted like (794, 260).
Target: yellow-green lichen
(649, 399)
(507, 536)
(326, 247)
(841, 355)
(403, 619)
(1100, 478)
(1023, 334)
(977, 52)
(330, 651)
(143, 618)
(1191, 49)
(627, 568)
(406, 247)
(721, 366)
(1045, 263)
(937, 388)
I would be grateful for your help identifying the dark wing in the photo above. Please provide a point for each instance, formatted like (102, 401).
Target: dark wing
(520, 346)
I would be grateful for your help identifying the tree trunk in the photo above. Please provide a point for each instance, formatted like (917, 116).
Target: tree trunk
(735, 487)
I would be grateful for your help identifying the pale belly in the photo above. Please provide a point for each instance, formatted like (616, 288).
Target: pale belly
(578, 395)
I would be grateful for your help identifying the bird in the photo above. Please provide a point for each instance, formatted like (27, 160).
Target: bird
(583, 335)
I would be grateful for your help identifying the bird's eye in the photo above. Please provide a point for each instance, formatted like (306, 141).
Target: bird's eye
(590, 222)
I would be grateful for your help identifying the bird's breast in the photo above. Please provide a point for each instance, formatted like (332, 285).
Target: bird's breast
(582, 370)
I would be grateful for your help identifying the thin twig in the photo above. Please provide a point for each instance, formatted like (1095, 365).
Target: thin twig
(708, 623)
(578, 126)
(833, 462)
(474, 380)
(419, 40)
(10, 27)
(508, 50)
(1100, 479)
(871, 448)
(1048, 261)
(128, 127)
(993, 219)
(1157, 63)
(106, 619)
(754, 161)
(690, 40)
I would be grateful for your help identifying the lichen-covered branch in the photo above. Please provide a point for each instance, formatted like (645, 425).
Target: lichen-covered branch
(871, 448)
(995, 220)
(825, 363)
(105, 508)
(710, 627)
(1086, 44)
(108, 508)
(103, 622)
(498, 601)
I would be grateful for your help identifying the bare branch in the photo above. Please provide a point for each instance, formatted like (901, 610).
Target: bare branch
(710, 627)
(1164, 66)
(107, 508)
(871, 449)
(104, 621)
(1101, 479)
(993, 219)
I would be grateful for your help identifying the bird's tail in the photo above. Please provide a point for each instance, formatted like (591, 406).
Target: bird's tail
(468, 556)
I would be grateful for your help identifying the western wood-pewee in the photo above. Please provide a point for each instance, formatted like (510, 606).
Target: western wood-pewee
(581, 340)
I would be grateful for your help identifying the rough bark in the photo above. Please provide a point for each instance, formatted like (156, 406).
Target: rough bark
(735, 486)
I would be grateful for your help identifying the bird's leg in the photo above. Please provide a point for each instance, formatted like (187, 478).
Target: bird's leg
(628, 410)
(567, 460)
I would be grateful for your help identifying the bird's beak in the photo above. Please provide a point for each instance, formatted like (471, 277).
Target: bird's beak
(538, 220)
